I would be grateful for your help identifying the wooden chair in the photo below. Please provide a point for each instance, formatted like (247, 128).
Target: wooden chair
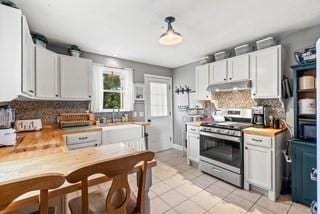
(11, 190)
(120, 199)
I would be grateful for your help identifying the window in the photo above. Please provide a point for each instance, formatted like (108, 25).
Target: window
(112, 90)
(158, 99)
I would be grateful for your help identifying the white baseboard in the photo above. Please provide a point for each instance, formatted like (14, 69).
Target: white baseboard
(177, 147)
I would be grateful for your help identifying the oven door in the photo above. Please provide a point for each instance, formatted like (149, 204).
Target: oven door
(222, 150)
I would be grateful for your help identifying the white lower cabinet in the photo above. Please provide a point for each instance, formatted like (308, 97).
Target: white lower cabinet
(193, 144)
(257, 163)
(263, 163)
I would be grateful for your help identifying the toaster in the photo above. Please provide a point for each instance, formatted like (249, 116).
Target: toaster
(28, 125)
(8, 137)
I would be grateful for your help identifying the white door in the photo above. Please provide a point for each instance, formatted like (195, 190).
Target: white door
(265, 72)
(202, 82)
(158, 106)
(193, 147)
(46, 73)
(218, 71)
(257, 166)
(75, 77)
(28, 69)
(238, 68)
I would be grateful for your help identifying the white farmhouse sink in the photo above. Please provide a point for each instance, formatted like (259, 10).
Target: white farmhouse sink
(121, 133)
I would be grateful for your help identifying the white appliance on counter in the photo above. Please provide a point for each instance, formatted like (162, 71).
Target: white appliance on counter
(28, 125)
(8, 137)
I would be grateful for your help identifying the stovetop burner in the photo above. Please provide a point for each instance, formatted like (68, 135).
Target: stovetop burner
(227, 125)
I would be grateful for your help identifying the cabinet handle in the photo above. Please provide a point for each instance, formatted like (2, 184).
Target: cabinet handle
(224, 79)
(246, 147)
(216, 170)
(83, 138)
(31, 91)
(257, 140)
(230, 78)
(57, 95)
(90, 96)
(254, 94)
(193, 129)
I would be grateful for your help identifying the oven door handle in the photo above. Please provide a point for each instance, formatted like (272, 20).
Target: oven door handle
(220, 136)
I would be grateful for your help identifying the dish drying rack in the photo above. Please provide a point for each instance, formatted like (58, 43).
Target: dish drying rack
(76, 119)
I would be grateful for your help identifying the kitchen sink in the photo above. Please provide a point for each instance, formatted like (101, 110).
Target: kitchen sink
(121, 133)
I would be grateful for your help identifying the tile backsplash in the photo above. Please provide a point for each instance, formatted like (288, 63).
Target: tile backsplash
(47, 111)
(242, 99)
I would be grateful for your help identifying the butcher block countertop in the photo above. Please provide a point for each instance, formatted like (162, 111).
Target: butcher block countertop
(268, 132)
(38, 143)
(195, 123)
(47, 141)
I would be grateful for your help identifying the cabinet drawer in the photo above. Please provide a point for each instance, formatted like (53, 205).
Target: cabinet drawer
(193, 129)
(83, 138)
(258, 140)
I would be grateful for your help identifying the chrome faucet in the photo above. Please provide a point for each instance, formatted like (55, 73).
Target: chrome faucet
(113, 113)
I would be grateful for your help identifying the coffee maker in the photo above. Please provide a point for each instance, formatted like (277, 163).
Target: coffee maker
(260, 115)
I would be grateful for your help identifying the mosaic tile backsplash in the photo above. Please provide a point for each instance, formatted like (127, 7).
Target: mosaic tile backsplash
(242, 99)
(47, 111)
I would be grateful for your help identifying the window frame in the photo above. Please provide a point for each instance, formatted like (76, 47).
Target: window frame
(121, 91)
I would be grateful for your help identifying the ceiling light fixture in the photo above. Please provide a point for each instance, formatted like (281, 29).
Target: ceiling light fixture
(170, 37)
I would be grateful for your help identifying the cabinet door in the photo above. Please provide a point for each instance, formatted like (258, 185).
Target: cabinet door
(202, 81)
(28, 60)
(193, 147)
(218, 71)
(257, 166)
(46, 73)
(265, 73)
(75, 77)
(304, 158)
(10, 53)
(238, 68)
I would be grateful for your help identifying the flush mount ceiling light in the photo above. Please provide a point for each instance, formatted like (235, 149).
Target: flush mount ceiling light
(170, 37)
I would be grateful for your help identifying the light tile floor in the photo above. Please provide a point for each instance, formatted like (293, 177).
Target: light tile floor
(180, 188)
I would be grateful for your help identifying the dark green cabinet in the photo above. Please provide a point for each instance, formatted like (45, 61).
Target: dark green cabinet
(304, 158)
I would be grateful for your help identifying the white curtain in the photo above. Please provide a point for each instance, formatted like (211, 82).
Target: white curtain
(128, 87)
(128, 90)
(96, 103)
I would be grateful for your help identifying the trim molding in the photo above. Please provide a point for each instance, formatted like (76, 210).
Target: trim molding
(177, 147)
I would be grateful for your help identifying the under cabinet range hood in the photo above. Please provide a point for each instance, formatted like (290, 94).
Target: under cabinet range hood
(230, 86)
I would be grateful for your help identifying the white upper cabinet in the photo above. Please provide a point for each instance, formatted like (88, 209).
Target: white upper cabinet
(202, 82)
(218, 71)
(46, 73)
(10, 53)
(28, 60)
(265, 69)
(75, 78)
(238, 68)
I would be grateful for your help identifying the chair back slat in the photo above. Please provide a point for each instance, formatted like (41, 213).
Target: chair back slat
(15, 188)
(117, 169)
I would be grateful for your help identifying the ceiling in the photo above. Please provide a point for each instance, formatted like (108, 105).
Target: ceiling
(130, 29)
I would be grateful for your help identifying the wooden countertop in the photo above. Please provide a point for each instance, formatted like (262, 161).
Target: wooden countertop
(48, 141)
(196, 123)
(269, 132)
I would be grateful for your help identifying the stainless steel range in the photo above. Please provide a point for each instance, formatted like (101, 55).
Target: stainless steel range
(221, 146)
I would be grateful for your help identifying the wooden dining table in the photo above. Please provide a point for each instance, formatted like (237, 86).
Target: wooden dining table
(64, 162)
